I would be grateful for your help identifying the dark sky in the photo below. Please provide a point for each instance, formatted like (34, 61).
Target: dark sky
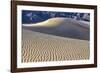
(29, 16)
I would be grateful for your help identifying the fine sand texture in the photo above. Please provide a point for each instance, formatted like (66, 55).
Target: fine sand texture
(41, 47)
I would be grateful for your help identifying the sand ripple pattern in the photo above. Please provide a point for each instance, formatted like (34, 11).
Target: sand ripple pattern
(39, 47)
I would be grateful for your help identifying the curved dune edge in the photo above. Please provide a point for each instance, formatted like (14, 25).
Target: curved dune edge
(47, 23)
(39, 47)
(57, 21)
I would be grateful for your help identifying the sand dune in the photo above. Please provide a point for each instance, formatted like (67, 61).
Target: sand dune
(48, 23)
(39, 47)
(65, 27)
(57, 21)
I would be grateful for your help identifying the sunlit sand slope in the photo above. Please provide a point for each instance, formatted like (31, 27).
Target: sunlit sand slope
(65, 27)
(58, 21)
(39, 47)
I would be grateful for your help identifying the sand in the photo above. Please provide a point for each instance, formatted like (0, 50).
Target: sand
(40, 47)
(58, 21)
(65, 27)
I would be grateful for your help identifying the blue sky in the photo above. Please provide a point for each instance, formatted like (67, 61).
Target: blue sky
(29, 16)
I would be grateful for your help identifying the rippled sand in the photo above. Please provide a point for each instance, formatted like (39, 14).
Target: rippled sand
(39, 47)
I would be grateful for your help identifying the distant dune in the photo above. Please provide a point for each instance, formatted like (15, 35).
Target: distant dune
(58, 21)
(65, 27)
(40, 47)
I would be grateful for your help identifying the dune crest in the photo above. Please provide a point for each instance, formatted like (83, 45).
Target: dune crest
(48, 23)
(55, 22)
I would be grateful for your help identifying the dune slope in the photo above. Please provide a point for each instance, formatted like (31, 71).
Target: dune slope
(65, 27)
(39, 47)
